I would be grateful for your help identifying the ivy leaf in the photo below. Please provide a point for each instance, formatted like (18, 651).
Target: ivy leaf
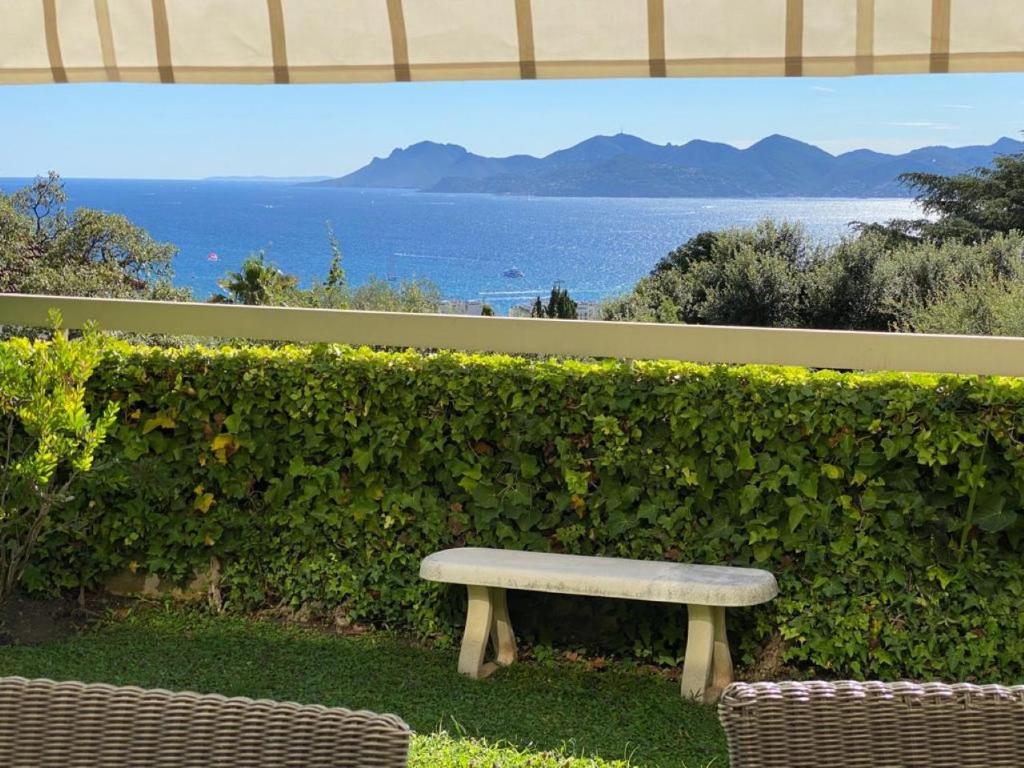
(842, 545)
(938, 574)
(528, 465)
(831, 471)
(797, 513)
(809, 485)
(362, 457)
(744, 459)
(994, 516)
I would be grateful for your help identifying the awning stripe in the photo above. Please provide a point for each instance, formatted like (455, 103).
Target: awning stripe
(941, 23)
(162, 41)
(278, 42)
(865, 36)
(794, 38)
(106, 33)
(399, 41)
(524, 34)
(656, 37)
(301, 41)
(53, 41)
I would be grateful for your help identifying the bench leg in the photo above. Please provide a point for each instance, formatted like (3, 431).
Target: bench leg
(721, 672)
(707, 666)
(486, 621)
(502, 636)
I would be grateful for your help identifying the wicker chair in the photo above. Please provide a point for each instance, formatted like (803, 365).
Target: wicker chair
(43, 723)
(873, 725)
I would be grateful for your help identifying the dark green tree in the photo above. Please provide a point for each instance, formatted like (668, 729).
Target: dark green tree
(969, 206)
(560, 305)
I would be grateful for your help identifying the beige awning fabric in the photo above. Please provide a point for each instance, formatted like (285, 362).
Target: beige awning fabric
(345, 41)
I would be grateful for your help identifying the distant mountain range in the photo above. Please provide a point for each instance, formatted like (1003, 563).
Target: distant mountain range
(627, 166)
(274, 179)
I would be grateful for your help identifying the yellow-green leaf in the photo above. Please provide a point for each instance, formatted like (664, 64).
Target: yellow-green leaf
(160, 421)
(203, 502)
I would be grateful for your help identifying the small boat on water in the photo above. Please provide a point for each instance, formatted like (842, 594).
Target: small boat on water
(212, 257)
(514, 272)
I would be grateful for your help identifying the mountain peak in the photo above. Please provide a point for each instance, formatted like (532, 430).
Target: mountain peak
(779, 142)
(600, 148)
(1006, 144)
(621, 139)
(428, 147)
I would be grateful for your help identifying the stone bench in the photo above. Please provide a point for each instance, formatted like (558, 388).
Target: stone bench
(707, 590)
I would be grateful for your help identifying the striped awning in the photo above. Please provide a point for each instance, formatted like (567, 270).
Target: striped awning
(315, 41)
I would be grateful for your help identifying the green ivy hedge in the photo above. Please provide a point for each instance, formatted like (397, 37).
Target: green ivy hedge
(885, 504)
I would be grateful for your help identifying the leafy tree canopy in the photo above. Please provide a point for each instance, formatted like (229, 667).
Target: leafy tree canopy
(971, 206)
(44, 248)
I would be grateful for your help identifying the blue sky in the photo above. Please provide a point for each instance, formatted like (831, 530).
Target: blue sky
(152, 131)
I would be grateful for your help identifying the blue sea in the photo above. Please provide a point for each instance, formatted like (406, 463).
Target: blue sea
(595, 247)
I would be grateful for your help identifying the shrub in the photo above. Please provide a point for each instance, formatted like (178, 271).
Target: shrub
(844, 288)
(732, 277)
(47, 438)
(260, 282)
(919, 275)
(886, 504)
(773, 276)
(981, 309)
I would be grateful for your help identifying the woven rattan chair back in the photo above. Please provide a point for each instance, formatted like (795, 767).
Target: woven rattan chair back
(44, 724)
(873, 725)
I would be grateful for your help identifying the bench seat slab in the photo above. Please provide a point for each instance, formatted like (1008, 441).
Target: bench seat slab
(601, 576)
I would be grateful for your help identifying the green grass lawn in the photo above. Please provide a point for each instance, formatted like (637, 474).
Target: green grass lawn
(537, 715)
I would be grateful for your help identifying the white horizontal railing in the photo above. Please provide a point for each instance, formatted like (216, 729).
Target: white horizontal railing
(983, 355)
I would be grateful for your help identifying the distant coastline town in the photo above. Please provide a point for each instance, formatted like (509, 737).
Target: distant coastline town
(585, 310)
